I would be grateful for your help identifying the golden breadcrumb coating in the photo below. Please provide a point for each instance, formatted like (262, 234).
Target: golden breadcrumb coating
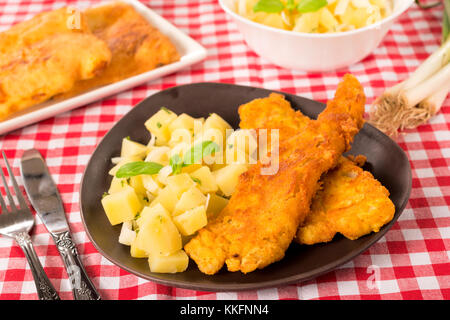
(263, 214)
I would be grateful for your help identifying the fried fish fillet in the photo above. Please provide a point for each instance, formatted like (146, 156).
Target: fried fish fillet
(65, 52)
(41, 26)
(136, 46)
(263, 214)
(351, 201)
(49, 67)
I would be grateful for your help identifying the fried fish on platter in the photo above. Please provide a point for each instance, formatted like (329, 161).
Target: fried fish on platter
(263, 214)
(48, 67)
(41, 26)
(136, 46)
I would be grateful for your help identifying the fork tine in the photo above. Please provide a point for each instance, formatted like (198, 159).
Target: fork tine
(19, 195)
(8, 193)
(3, 204)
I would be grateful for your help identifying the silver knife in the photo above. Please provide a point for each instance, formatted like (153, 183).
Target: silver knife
(45, 198)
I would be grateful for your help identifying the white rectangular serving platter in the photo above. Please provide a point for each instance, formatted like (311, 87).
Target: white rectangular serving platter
(191, 52)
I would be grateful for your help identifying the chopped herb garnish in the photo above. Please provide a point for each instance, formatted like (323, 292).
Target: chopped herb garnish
(166, 110)
(128, 138)
(128, 181)
(105, 194)
(197, 180)
(158, 124)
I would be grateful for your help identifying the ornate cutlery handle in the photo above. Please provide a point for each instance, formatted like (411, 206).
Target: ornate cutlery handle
(82, 287)
(44, 287)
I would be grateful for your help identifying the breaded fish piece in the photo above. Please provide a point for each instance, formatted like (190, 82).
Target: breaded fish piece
(263, 214)
(49, 67)
(136, 46)
(41, 26)
(351, 201)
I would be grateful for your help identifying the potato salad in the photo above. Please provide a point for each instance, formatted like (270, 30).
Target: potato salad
(315, 16)
(164, 191)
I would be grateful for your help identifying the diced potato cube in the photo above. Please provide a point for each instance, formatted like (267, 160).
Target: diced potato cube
(205, 180)
(159, 155)
(327, 20)
(136, 252)
(149, 212)
(122, 206)
(167, 198)
(181, 136)
(127, 234)
(227, 178)
(117, 185)
(176, 262)
(191, 168)
(191, 221)
(243, 140)
(158, 234)
(214, 121)
(354, 16)
(163, 174)
(158, 125)
(179, 149)
(180, 183)
(270, 19)
(190, 199)
(151, 184)
(114, 169)
(215, 205)
(307, 22)
(183, 121)
(137, 183)
(133, 149)
(181, 129)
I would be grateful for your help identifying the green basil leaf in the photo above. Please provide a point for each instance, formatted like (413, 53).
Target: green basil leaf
(311, 5)
(136, 168)
(176, 163)
(199, 151)
(270, 6)
(290, 5)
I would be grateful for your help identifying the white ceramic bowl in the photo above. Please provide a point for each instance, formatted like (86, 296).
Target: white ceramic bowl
(313, 52)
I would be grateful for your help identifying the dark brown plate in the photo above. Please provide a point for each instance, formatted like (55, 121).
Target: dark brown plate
(386, 160)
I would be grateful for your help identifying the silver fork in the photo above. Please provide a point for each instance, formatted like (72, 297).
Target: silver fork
(16, 223)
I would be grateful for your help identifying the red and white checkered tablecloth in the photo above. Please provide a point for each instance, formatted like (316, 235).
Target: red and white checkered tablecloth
(412, 259)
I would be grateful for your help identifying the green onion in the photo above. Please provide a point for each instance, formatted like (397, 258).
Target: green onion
(415, 100)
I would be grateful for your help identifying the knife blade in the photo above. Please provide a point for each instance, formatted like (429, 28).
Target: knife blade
(46, 200)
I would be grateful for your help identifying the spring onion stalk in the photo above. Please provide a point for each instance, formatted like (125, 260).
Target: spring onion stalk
(414, 101)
